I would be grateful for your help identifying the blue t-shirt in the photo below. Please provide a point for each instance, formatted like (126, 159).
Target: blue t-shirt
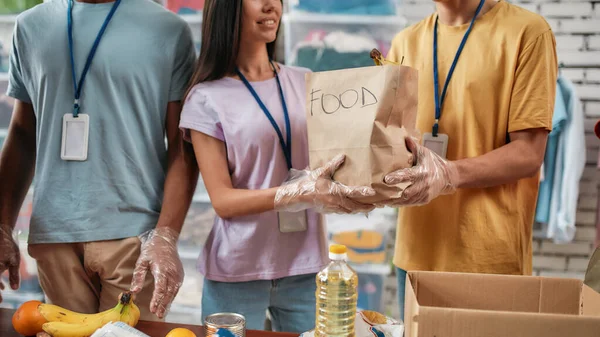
(559, 118)
(144, 60)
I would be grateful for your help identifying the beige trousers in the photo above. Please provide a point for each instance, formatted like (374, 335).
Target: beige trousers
(88, 277)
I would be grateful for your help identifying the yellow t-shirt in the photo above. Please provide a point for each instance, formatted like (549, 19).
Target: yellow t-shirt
(505, 81)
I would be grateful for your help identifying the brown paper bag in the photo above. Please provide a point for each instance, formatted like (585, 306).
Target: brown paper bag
(364, 113)
(592, 274)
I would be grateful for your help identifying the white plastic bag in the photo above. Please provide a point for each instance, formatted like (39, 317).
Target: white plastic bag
(371, 323)
(118, 329)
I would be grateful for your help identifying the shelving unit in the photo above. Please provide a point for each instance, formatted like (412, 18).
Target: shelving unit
(307, 30)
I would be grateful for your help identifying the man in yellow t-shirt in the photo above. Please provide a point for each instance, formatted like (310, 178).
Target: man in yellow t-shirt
(473, 204)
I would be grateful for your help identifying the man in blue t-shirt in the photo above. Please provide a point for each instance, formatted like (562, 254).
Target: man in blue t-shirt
(98, 85)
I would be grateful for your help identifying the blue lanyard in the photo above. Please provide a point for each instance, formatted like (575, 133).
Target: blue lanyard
(77, 87)
(287, 148)
(439, 102)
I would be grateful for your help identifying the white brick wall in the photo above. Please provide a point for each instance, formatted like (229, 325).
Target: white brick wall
(576, 24)
(574, 74)
(549, 10)
(558, 263)
(579, 26)
(593, 75)
(570, 42)
(579, 58)
(594, 41)
(586, 234)
(592, 109)
(576, 248)
(578, 263)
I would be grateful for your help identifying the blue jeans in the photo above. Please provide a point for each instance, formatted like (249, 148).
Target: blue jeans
(401, 277)
(290, 301)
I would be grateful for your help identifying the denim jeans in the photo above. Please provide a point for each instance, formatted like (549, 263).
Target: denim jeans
(401, 277)
(290, 301)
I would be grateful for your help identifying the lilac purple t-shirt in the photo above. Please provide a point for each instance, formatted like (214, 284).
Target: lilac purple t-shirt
(252, 247)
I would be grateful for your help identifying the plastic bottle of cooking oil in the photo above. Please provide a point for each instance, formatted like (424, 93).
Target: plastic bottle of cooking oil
(337, 292)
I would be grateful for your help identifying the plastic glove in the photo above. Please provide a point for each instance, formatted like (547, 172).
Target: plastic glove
(316, 189)
(430, 177)
(10, 258)
(159, 255)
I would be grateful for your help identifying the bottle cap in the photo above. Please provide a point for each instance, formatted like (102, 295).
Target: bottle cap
(338, 252)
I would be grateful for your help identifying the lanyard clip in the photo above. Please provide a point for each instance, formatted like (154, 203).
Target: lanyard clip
(434, 130)
(76, 108)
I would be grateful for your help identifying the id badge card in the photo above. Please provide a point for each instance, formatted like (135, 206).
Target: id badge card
(438, 144)
(75, 134)
(290, 222)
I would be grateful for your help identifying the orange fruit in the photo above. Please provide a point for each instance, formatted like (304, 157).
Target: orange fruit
(27, 320)
(180, 332)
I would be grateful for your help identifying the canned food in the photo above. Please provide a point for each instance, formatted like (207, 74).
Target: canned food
(235, 323)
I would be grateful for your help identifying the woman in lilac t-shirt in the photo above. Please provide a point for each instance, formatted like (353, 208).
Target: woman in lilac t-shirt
(267, 242)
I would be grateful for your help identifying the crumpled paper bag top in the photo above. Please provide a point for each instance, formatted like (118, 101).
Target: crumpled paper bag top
(592, 275)
(370, 324)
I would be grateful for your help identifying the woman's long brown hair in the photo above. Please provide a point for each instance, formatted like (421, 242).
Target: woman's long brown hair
(221, 34)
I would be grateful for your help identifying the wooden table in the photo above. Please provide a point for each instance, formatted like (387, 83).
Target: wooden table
(152, 329)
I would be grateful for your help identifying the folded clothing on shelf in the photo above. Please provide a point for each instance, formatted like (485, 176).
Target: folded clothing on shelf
(336, 50)
(350, 7)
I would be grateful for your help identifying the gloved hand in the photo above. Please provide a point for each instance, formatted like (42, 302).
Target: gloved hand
(430, 177)
(316, 189)
(159, 255)
(10, 258)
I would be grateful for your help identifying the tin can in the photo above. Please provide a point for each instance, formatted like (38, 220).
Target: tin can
(235, 323)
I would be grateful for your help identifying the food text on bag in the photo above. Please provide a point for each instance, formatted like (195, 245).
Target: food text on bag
(332, 103)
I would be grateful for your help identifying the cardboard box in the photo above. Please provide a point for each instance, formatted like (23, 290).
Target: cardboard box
(476, 305)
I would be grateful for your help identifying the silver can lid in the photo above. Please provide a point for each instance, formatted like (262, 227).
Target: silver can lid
(225, 319)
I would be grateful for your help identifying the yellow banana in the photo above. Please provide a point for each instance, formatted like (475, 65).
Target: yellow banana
(380, 60)
(136, 314)
(63, 329)
(64, 323)
(129, 316)
(130, 313)
(54, 313)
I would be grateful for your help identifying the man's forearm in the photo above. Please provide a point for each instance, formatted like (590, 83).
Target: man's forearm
(180, 184)
(17, 163)
(516, 160)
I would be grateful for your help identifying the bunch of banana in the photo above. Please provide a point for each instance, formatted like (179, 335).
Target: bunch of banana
(380, 60)
(65, 323)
